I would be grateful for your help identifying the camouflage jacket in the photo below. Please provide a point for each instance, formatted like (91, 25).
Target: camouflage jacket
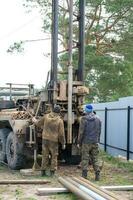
(53, 128)
(89, 129)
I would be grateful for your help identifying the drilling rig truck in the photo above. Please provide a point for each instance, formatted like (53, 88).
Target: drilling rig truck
(18, 136)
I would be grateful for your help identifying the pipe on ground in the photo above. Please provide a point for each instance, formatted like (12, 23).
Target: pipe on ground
(74, 189)
(92, 193)
(49, 191)
(95, 188)
(119, 187)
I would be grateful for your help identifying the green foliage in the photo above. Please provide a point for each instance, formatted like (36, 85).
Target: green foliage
(108, 78)
(102, 17)
(94, 2)
(125, 46)
(16, 47)
(118, 5)
(108, 28)
(111, 80)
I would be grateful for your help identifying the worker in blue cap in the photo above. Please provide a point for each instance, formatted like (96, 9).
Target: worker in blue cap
(88, 139)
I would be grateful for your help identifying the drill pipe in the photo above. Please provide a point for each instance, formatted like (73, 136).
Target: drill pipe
(88, 184)
(74, 189)
(87, 190)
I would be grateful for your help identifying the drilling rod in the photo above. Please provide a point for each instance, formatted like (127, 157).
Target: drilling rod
(54, 48)
(70, 73)
(81, 39)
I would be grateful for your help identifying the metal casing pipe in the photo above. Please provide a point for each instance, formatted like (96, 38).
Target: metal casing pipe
(74, 189)
(54, 40)
(100, 191)
(54, 50)
(69, 121)
(70, 74)
(90, 192)
(81, 39)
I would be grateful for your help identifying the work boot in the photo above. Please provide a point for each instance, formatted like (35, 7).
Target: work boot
(84, 174)
(97, 176)
(43, 173)
(52, 173)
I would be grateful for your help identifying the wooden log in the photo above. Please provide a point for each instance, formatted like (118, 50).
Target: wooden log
(48, 191)
(3, 182)
(30, 172)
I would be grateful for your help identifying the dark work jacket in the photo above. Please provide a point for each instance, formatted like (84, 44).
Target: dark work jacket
(89, 129)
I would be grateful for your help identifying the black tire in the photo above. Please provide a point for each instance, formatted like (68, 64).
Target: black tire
(14, 152)
(3, 137)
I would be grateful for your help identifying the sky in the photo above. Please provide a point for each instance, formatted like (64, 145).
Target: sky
(32, 65)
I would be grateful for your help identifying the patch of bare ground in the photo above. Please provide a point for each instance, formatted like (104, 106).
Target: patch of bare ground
(110, 175)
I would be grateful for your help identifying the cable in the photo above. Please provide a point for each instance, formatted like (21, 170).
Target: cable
(19, 28)
(36, 40)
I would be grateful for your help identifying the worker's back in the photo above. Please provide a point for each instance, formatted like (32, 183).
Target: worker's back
(51, 127)
(92, 128)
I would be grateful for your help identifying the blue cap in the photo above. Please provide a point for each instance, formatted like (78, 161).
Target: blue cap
(88, 108)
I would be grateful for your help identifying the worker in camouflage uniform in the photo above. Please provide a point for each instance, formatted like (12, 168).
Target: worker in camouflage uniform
(53, 132)
(88, 139)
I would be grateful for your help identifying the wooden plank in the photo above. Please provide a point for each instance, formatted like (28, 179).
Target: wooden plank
(30, 172)
(23, 182)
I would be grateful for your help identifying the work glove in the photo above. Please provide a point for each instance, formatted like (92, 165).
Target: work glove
(63, 146)
(34, 120)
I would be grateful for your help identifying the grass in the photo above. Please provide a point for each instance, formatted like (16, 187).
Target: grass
(64, 197)
(119, 162)
(116, 171)
(18, 192)
(28, 198)
(2, 189)
(1, 167)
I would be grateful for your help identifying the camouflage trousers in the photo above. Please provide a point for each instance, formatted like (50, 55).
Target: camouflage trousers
(90, 151)
(49, 155)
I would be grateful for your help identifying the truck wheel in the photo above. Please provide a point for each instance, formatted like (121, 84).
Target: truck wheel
(3, 137)
(14, 151)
